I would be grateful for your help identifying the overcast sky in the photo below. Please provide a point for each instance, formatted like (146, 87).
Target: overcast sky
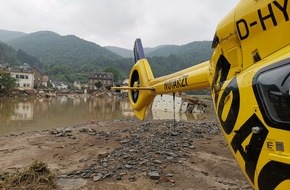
(118, 22)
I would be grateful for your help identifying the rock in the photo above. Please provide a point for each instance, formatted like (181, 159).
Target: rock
(87, 130)
(143, 162)
(204, 173)
(142, 152)
(128, 166)
(102, 156)
(60, 135)
(133, 151)
(169, 175)
(54, 131)
(126, 156)
(118, 177)
(132, 178)
(154, 175)
(171, 154)
(157, 162)
(97, 177)
(173, 133)
(158, 152)
(122, 173)
(107, 175)
(67, 130)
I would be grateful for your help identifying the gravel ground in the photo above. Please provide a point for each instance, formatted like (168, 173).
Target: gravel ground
(129, 154)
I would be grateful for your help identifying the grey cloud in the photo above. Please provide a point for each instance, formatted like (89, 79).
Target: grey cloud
(118, 22)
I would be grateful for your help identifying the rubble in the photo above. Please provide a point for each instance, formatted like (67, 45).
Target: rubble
(129, 154)
(148, 148)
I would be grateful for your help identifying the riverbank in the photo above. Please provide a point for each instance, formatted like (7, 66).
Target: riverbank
(128, 154)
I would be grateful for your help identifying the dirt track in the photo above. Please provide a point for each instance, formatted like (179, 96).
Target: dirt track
(129, 154)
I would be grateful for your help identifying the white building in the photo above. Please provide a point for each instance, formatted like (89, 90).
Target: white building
(77, 85)
(59, 85)
(24, 79)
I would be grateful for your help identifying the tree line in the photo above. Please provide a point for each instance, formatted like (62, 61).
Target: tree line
(120, 67)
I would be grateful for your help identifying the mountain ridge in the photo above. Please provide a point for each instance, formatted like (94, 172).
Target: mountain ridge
(70, 58)
(52, 48)
(18, 42)
(6, 35)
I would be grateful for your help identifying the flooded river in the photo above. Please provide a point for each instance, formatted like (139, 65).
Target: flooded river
(39, 114)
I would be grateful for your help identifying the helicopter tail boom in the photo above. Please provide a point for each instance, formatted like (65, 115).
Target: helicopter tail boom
(195, 77)
(143, 87)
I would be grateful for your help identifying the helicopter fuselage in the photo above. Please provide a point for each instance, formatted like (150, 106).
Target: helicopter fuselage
(249, 78)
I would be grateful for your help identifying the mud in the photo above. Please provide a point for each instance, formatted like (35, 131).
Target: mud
(129, 154)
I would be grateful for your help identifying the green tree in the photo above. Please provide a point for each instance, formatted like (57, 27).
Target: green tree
(7, 54)
(116, 73)
(7, 82)
(23, 57)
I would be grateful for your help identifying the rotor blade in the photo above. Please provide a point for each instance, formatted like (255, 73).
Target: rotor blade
(138, 50)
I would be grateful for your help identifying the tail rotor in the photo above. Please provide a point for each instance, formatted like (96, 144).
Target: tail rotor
(140, 93)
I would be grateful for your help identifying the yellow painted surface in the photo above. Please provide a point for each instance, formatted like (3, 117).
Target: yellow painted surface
(253, 36)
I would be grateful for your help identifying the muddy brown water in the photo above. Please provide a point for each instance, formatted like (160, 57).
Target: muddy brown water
(43, 114)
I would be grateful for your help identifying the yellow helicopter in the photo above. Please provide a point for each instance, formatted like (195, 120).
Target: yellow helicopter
(249, 78)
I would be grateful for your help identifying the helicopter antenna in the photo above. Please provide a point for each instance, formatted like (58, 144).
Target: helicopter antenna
(174, 111)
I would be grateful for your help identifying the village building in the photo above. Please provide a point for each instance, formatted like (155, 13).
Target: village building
(104, 78)
(24, 79)
(40, 79)
(77, 85)
(3, 66)
(59, 85)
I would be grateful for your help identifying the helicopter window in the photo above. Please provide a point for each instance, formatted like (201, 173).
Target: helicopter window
(274, 85)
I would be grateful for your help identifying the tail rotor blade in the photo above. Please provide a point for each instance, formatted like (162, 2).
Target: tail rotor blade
(138, 50)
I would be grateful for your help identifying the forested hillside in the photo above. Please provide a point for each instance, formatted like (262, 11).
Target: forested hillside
(8, 55)
(52, 48)
(6, 35)
(16, 58)
(165, 59)
(69, 58)
(126, 53)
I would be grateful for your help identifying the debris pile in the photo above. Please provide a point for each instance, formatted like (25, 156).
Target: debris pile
(147, 149)
(36, 176)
